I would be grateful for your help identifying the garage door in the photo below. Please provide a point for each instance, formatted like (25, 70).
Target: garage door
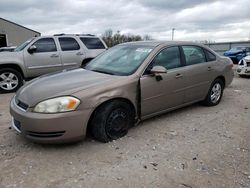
(3, 42)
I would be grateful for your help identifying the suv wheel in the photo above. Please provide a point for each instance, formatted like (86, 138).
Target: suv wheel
(10, 80)
(215, 93)
(112, 121)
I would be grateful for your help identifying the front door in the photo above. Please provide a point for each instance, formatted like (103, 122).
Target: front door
(44, 59)
(158, 95)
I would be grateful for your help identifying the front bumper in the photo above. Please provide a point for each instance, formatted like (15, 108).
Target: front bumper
(49, 128)
(243, 71)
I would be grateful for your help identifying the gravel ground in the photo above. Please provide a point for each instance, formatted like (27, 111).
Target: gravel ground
(195, 146)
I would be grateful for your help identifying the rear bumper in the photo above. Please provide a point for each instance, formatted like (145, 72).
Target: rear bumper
(49, 128)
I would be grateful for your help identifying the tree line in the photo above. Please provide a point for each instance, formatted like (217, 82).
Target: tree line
(112, 39)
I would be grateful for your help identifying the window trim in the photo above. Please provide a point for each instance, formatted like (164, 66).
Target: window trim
(165, 47)
(68, 50)
(42, 39)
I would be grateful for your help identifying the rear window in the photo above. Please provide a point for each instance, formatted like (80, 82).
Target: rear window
(92, 43)
(68, 44)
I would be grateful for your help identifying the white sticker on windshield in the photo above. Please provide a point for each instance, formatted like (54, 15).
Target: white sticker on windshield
(143, 50)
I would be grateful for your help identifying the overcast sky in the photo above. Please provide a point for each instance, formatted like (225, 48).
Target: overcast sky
(224, 20)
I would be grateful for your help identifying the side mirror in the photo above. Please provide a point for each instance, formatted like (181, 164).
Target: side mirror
(32, 49)
(158, 70)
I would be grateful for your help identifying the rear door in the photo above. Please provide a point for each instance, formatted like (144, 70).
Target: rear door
(71, 53)
(200, 72)
(44, 60)
(160, 95)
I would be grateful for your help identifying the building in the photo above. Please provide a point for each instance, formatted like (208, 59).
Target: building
(12, 34)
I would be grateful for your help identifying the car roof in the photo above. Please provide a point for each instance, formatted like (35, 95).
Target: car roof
(155, 43)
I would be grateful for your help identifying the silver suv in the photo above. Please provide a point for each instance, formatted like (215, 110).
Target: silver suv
(46, 54)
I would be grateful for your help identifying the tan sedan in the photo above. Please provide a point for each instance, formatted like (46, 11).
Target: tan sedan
(124, 85)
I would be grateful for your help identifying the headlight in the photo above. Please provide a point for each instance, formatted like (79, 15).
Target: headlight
(56, 105)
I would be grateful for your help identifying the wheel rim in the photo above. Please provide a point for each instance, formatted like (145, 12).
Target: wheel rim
(216, 93)
(8, 81)
(117, 123)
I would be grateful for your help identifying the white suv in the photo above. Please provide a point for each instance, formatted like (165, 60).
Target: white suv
(46, 54)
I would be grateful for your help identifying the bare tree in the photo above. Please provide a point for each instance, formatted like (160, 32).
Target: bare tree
(113, 39)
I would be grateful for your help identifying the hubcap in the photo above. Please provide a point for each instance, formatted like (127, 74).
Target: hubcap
(215, 93)
(8, 81)
(117, 124)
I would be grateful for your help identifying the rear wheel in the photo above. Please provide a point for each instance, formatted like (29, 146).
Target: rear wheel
(10, 80)
(112, 121)
(215, 93)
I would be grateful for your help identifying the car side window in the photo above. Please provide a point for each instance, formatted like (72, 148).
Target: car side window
(92, 43)
(68, 44)
(194, 55)
(168, 58)
(210, 56)
(45, 45)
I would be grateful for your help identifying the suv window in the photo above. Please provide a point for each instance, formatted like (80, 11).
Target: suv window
(193, 55)
(45, 45)
(68, 44)
(92, 43)
(210, 56)
(168, 58)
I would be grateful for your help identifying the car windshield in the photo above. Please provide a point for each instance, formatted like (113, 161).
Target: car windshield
(120, 60)
(237, 48)
(23, 45)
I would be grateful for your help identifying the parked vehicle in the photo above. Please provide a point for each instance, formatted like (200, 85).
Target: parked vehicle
(237, 53)
(128, 83)
(46, 54)
(7, 49)
(244, 67)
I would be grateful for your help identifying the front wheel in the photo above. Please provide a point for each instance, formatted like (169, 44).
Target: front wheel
(215, 93)
(10, 80)
(112, 121)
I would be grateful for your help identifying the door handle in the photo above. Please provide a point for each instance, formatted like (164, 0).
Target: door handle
(209, 68)
(54, 55)
(178, 76)
(79, 53)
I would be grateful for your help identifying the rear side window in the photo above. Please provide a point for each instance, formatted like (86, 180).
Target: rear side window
(194, 55)
(45, 45)
(68, 44)
(168, 58)
(210, 56)
(92, 43)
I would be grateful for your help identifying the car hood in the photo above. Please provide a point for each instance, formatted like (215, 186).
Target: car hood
(247, 58)
(233, 52)
(60, 84)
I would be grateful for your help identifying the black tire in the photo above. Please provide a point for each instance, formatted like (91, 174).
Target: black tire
(112, 120)
(17, 78)
(209, 99)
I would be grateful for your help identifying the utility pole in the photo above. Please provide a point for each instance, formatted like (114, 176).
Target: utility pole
(173, 29)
